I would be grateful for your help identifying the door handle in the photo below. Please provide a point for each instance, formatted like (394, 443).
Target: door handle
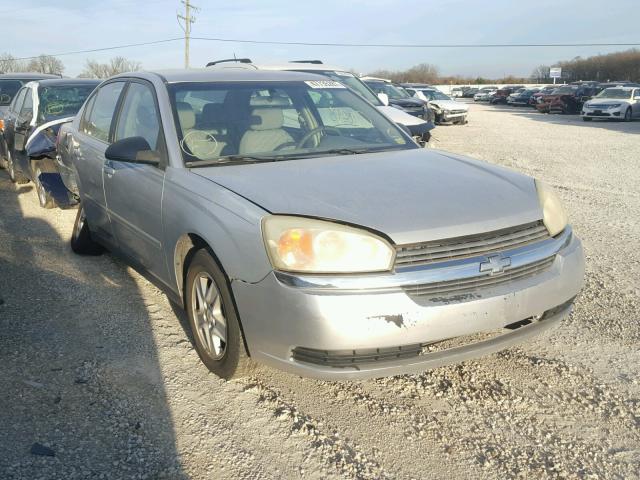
(108, 170)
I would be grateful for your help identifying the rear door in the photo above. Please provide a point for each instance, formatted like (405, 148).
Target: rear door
(134, 191)
(94, 136)
(635, 99)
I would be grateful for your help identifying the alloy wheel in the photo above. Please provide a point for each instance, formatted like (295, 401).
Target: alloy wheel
(209, 316)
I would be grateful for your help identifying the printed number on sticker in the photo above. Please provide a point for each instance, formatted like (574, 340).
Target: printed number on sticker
(324, 84)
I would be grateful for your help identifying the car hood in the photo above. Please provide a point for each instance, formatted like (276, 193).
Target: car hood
(607, 101)
(406, 102)
(410, 195)
(449, 105)
(398, 116)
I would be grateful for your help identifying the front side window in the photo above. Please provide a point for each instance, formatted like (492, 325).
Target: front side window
(61, 101)
(139, 116)
(8, 90)
(98, 123)
(278, 120)
(26, 112)
(18, 101)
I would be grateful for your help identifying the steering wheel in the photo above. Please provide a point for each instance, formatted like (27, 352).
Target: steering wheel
(199, 144)
(284, 145)
(311, 133)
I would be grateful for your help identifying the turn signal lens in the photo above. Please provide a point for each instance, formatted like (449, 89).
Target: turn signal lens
(298, 244)
(1, 125)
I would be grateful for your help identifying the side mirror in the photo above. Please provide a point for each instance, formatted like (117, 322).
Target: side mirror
(132, 150)
(384, 98)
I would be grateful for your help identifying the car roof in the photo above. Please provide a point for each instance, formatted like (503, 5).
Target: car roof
(26, 76)
(223, 75)
(291, 66)
(68, 81)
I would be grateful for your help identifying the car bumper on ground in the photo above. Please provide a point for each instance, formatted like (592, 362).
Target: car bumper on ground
(327, 328)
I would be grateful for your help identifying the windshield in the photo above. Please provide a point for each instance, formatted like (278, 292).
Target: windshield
(221, 123)
(564, 91)
(61, 100)
(351, 81)
(435, 95)
(617, 93)
(8, 89)
(392, 92)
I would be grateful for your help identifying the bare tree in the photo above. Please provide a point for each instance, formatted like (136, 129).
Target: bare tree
(46, 64)
(9, 63)
(94, 69)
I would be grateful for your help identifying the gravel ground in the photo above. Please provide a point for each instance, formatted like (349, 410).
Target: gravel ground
(97, 369)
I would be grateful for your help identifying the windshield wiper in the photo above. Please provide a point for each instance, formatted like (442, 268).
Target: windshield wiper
(230, 159)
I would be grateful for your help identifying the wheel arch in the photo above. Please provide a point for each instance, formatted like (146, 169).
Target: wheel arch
(186, 247)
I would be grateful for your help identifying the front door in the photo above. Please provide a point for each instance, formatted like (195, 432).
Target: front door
(134, 191)
(21, 134)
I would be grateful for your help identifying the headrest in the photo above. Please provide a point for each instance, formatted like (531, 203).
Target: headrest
(213, 113)
(273, 101)
(266, 119)
(186, 115)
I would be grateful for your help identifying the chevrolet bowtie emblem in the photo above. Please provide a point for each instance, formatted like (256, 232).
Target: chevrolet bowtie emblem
(495, 264)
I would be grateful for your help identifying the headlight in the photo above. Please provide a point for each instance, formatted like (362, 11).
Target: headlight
(298, 244)
(615, 105)
(553, 214)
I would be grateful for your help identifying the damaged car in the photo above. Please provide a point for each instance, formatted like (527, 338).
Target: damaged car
(566, 98)
(32, 122)
(300, 228)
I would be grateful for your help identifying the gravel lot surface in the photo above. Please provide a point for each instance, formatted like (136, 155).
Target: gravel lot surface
(97, 370)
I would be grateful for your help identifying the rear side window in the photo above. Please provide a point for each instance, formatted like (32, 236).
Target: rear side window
(98, 123)
(26, 112)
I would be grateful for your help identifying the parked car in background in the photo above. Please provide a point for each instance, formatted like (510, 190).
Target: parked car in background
(620, 103)
(419, 127)
(397, 96)
(501, 95)
(484, 94)
(10, 83)
(458, 91)
(521, 97)
(37, 107)
(445, 108)
(533, 101)
(566, 99)
(470, 92)
(333, 247)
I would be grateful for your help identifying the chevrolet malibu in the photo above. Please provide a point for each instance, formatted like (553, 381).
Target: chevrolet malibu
(300, 228)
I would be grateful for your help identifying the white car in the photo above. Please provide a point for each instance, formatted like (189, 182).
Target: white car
(621, 103)
(445, 108)
(484, 94)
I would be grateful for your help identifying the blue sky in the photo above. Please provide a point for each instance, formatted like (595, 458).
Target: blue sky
(32, 27)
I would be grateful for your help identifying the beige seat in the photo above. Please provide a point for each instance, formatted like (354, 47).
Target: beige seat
(201, 143)
(265, 133)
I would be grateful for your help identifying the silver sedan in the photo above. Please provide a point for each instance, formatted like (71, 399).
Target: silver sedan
(301, 228)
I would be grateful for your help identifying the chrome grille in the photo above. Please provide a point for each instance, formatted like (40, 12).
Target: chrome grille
(466, 285)
(471, 245)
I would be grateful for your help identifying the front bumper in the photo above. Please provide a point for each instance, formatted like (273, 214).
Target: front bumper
(286, 317)
(602, 113)
(419, 129)
(447, 116)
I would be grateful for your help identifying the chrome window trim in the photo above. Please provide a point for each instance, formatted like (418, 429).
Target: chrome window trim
(423, 274)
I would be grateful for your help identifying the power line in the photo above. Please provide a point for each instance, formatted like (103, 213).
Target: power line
(357, 45)
(115, 47)
(413, 45)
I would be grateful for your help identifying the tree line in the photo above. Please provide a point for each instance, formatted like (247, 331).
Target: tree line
(54, 66)
(613, 67)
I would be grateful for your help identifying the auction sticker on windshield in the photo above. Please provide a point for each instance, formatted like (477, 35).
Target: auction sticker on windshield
(324, 84)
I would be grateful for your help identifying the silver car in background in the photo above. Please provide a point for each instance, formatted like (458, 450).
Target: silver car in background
(300, 228)
(617, 103)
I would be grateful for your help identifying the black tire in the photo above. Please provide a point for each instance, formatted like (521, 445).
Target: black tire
(233, 361)
(628, 115)
(81, 241)
(587, 119)
(44, 198)
(15, 177)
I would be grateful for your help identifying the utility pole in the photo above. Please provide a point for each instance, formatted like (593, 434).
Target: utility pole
(188, 19)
